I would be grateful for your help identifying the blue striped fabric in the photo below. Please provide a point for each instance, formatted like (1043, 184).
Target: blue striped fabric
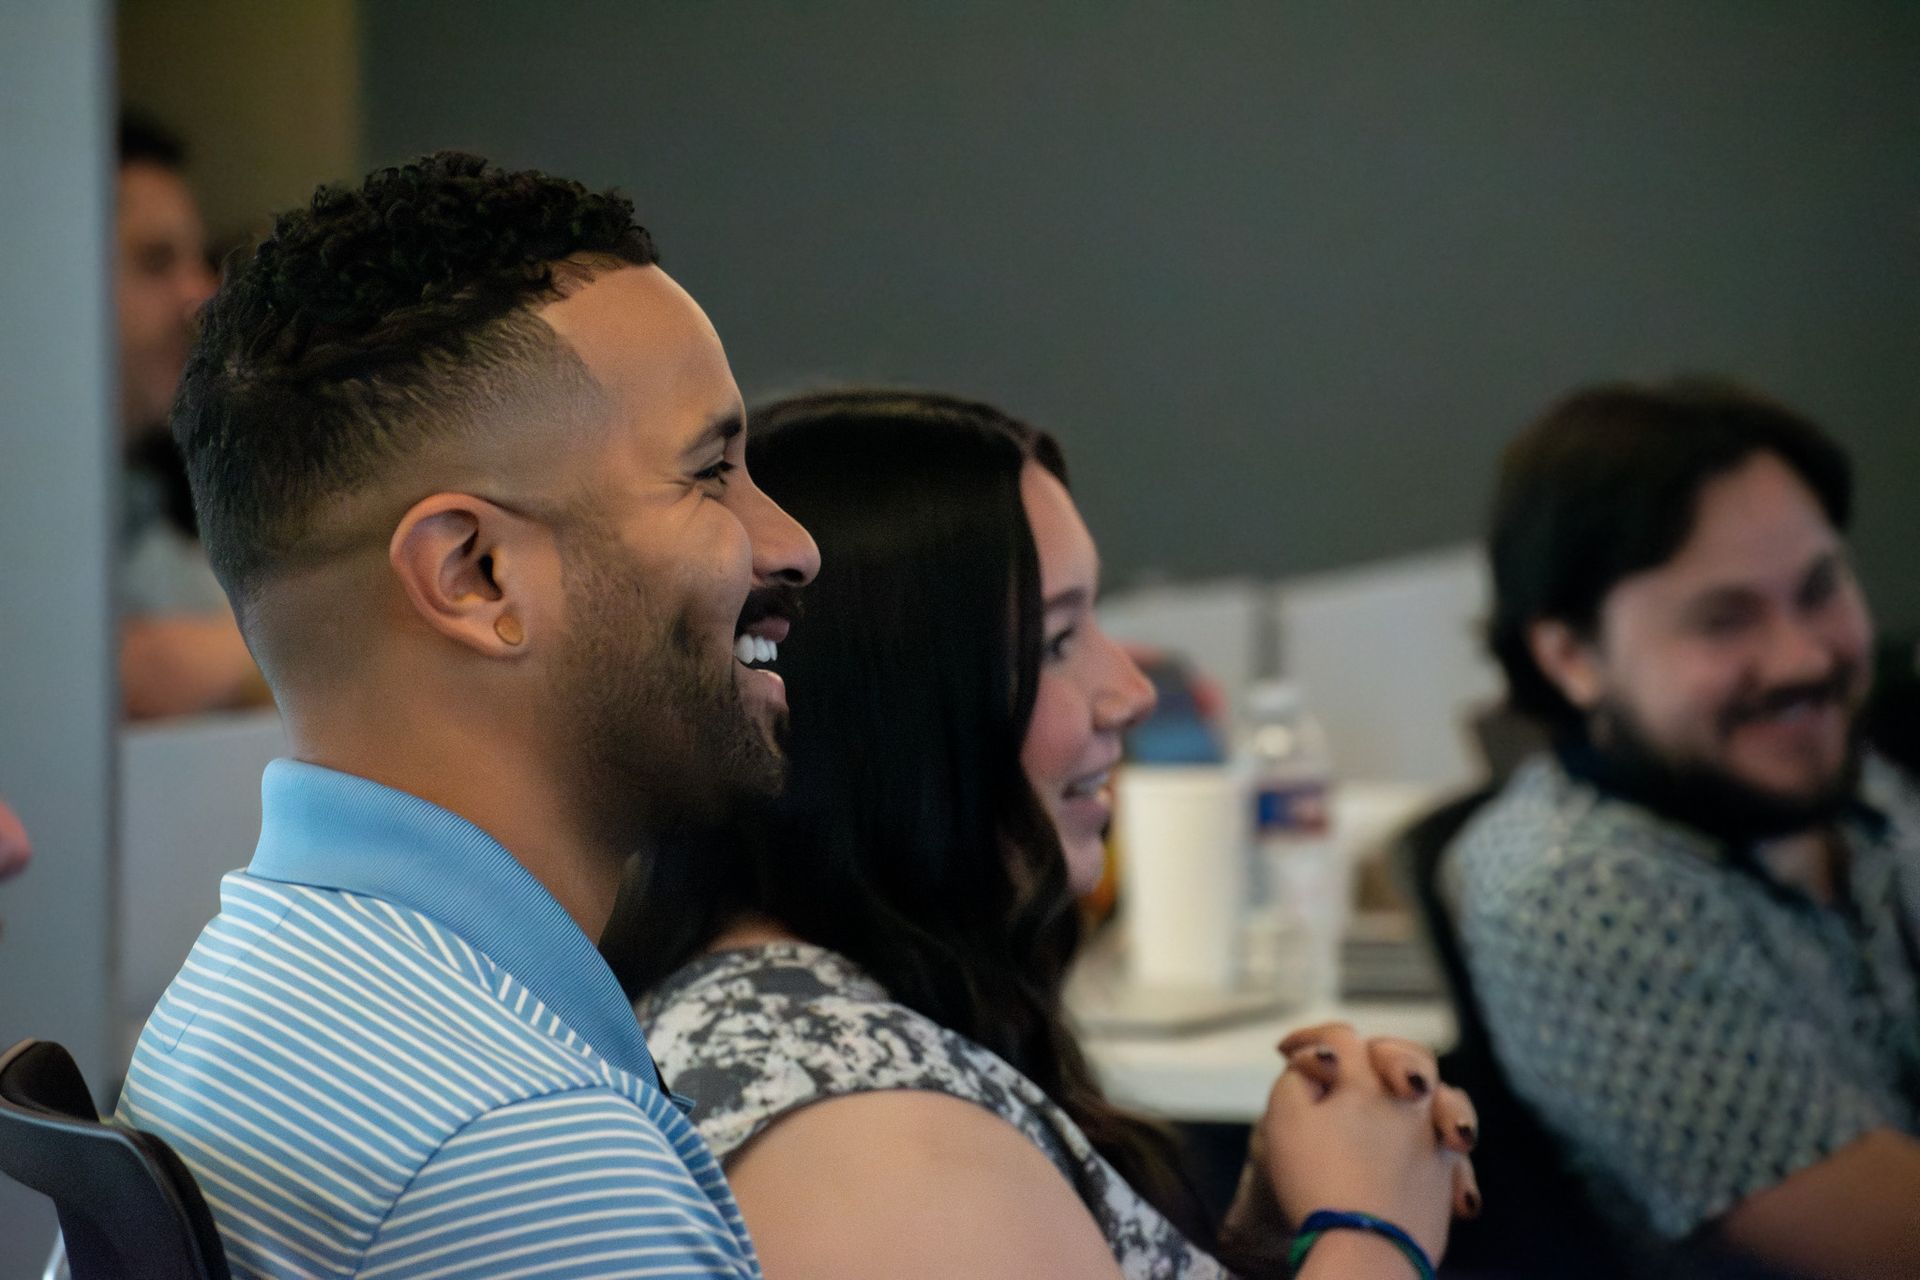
(365, 1084)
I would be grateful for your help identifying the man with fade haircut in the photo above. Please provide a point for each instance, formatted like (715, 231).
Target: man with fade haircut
(469, 466)
(1694, 927)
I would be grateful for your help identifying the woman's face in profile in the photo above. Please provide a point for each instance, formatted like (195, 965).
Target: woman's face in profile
(1089, 691)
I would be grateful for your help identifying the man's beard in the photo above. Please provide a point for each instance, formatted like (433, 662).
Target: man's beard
(656, 729)
(1709, 798)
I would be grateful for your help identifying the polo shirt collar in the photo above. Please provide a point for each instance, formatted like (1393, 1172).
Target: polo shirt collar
(332, 830)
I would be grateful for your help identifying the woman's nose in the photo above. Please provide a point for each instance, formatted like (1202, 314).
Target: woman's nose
(1126, 696)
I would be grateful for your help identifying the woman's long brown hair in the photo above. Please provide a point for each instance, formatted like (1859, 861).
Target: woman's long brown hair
(908, 838)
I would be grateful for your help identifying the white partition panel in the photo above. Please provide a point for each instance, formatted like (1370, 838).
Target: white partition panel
(1392, 659)
(57, 446)
(1221, 628)
(189, 813)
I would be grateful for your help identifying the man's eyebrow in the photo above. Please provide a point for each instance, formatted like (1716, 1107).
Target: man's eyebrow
(719, 431)
(1827, 561)
(1726, 593)
(1721, 596)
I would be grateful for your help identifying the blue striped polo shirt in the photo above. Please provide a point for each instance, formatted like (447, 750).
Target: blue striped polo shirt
(393, 1054)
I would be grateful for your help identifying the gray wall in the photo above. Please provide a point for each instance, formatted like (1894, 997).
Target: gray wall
(56, 685)
(1283, 275)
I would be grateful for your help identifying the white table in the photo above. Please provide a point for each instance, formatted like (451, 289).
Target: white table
(1224, 1074)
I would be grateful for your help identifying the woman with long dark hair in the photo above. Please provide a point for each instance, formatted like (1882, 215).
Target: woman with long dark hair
(860, 987)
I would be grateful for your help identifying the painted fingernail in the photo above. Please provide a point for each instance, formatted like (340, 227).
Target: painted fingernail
(1418, 1082)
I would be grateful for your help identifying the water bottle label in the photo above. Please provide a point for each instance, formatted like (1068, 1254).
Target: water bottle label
(1294, 811)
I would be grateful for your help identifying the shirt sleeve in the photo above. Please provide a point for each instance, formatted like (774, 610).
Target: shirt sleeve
(1635, 1013)
(576, 1184)
(749, 1060)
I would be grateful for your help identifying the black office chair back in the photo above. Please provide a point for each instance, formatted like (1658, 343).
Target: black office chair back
(1418, 853)
(128, 1207)
(1538, 1220)
(1891, 720)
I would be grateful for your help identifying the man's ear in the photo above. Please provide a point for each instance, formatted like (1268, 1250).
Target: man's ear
(465, 565)
(1568, 659)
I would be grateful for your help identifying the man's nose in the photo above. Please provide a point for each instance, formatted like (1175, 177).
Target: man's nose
(1795, 653)
(196, 284)
(783, 551)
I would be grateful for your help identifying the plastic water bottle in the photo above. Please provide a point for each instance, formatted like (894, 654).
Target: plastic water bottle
(1297, 877)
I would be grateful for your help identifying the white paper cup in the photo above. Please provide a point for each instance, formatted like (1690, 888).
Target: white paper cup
(1183, 832)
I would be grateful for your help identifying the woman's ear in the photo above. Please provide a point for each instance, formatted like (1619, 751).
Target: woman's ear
(1568, 659)
(461, 561)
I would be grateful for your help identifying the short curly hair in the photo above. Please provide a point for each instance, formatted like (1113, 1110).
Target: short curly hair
(369, 324)
(1606, 484)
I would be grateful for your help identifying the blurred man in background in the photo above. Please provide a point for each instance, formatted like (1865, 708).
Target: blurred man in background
(1692, 926)
(180, 651)
(15, 849)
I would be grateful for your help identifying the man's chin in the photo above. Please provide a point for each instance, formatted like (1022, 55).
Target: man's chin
(1797, 789)
(1739, 804)
(1745, 809)
(767, 778)
(752, 766)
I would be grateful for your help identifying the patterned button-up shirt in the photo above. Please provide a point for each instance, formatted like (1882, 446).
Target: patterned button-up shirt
(1692, 1030)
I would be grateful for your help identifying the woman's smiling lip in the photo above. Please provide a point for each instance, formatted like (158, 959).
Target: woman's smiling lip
(1085, 817)
(1092, 783)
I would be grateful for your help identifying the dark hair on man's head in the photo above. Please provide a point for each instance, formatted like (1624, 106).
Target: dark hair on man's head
(909, 838)
(1606, 484)
(144, 140)
(378, 320)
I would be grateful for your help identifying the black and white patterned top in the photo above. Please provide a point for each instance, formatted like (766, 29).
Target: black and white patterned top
(752, 1034)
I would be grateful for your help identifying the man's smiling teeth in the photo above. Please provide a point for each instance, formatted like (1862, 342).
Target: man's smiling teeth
(1089, 785)
(752, 649)
(1792, 712)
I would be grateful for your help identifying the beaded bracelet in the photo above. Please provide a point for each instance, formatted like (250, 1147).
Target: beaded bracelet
(1322, 1221)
